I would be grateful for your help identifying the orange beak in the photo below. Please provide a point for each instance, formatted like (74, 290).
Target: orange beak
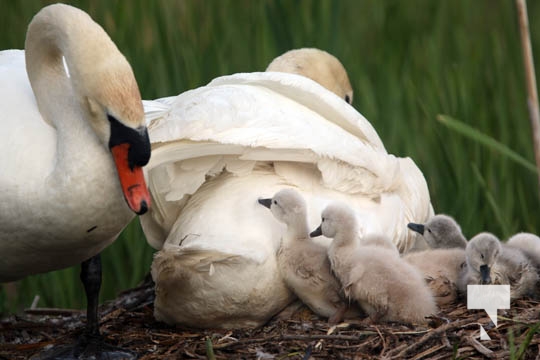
(131, 179)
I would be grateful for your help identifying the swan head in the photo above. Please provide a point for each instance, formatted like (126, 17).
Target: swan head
(287, 206)
(441, 231)
(336, 220)
(482, 253)
(68, 55)
(116, 114)
(319, 66)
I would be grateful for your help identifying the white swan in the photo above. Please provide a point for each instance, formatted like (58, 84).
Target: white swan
(63, 111)
(218, 148)
(319, 66)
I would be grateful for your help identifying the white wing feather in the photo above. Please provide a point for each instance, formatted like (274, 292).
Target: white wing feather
(219, 148)
(276, 117)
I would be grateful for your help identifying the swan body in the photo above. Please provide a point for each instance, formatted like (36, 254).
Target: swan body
(441, 269)
(218, 148)
(386, 287)
(529, 244)
(62, 201)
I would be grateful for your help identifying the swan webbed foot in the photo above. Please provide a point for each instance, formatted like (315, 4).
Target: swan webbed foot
(88, 347)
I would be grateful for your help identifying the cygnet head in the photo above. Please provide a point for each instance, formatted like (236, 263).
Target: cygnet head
(336, 219)
(319, 66)
(482, 253)
(441, 231)
(287, 206)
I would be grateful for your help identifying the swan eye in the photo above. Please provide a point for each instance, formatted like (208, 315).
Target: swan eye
(348, 99)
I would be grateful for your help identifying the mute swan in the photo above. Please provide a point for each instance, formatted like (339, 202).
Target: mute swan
(62, 127)
(441, 231)
(490, 262)
(319, 66)
(217, 149)
(302, 262)
(385, 286)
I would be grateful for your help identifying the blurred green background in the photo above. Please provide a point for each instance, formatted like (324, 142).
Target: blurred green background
(408, 61)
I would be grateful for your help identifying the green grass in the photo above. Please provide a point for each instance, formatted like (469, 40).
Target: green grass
(408, 61)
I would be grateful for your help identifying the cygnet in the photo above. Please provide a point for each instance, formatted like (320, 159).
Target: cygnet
(303, 263)
(441, 231)
(489, 262)
(386, 287)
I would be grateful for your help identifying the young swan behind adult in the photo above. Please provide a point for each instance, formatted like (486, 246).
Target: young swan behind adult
(385, 286)
(442, 269)
(529, 244)
(441, 231)
(489, 262)
(444, 262)
(303, 263)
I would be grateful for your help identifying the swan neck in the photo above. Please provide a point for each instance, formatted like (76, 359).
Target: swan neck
(69, 59)
(298, 229)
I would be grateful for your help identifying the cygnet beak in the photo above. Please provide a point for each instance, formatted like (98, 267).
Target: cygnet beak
(419, 228)
(484, 272)
(265, 202)
(316, 232)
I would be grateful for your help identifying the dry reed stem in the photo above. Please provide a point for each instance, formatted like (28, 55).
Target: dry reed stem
(530, 77)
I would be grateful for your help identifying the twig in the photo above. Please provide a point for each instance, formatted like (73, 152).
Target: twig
(479, 347)
(404, 349)
(295, 337)
(429, 351)
(329, 337)
(382, 340)
(517, 321)
(530, 77)
(52, 311)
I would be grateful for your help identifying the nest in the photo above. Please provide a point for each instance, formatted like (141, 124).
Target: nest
(128, 322)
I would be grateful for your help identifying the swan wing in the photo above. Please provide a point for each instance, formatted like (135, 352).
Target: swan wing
(311, 138)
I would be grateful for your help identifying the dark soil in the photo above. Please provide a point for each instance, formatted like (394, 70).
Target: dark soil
(128, 322)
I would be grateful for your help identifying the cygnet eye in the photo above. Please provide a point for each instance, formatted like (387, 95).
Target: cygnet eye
(275, 202)
(482, 256)
(347, 99)
(429, 230)
(323, 219)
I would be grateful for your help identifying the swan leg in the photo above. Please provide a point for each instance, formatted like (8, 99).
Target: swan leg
(90, 345)
(91, 279)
